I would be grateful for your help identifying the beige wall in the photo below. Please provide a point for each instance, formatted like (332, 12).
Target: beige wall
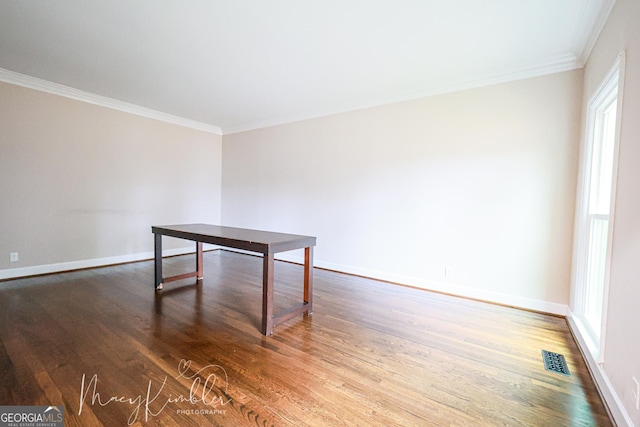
(480, 181)
(83, 183)
(622, 342)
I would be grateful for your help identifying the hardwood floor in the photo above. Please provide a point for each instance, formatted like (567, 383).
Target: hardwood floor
(103, 345)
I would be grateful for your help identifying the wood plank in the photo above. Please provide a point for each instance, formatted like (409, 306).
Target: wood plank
(372, 354)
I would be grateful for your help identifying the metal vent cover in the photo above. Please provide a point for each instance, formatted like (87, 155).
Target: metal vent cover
(555, 362)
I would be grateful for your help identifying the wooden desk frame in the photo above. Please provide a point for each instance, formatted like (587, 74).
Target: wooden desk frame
(264, 242)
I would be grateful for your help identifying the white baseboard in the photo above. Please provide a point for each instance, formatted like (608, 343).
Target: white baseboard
(14, 273)
(611, 399)
(448, 288)
(454, 289)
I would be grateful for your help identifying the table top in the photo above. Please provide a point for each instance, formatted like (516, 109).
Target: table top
(240, 238)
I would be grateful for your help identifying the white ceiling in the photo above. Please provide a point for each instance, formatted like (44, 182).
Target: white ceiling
(241, 64)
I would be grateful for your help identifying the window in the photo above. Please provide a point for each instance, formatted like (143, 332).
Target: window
(595, 211)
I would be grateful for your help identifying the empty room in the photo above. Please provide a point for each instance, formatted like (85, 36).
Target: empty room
(407, 213)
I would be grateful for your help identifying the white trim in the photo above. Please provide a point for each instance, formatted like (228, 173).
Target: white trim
(585, 40)
(453, 289)
(554, 65)
(103, 101)
(618, 69)
(613, 79)
(14, 273)
(607, 392)
(430, 285)
(448, 288)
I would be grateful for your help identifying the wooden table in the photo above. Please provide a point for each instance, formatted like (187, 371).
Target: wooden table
(265, 242)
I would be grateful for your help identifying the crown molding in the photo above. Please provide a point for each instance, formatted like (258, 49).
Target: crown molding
(553, 65)
(103, 101)
(589, 29)
(557, 64)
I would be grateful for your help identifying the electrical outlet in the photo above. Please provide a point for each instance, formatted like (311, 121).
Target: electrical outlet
(14, 257)
(448, 272)
(636, 392)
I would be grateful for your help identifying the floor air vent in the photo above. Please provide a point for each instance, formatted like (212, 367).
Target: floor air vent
(555, 362)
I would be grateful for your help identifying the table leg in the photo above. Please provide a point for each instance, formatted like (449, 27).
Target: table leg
(157, 260)
(308, 279)
(267, 294)
(199, 260)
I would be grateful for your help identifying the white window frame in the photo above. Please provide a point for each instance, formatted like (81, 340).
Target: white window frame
(613, 81)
